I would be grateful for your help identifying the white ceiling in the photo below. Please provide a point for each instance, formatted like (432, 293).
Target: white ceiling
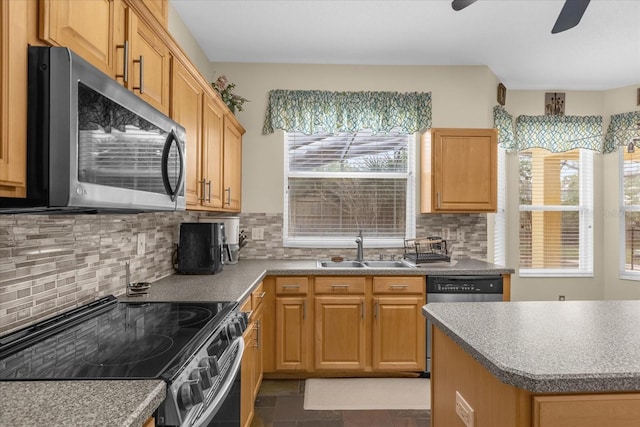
(512, 37)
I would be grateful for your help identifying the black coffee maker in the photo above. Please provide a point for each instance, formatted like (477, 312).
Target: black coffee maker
(200, 250)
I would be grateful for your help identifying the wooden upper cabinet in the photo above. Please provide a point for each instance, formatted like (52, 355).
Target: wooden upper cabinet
(186, 109)
(212, 149)
(159, 9)
(13, 98)
(459, 170)
(148, 64)
(83, 26)
(232, 181)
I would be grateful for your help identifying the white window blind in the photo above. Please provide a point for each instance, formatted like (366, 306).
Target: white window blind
(499, 218)
(339, 184)
(556, 213)
(630, 208)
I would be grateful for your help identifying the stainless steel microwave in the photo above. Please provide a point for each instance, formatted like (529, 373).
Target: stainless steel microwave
(92, 145)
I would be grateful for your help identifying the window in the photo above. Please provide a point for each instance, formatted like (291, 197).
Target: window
(556, 213)
(630, 208)
(338, 184)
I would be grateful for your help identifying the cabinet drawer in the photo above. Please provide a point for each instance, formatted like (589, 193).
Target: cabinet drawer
(339, 285)
(398, 285)
(257, 296)
(292, 285)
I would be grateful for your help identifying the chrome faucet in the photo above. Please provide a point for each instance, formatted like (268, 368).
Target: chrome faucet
(360, 252)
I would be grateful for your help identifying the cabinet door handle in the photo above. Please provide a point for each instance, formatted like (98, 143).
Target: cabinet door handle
(204, 186)
(209, 193)
(439, 201)
(125, 66)
(258, 333)
(228, 190)
(375, 310)
(362, 309)
(304, 310)
(263, 294)
(140, 88)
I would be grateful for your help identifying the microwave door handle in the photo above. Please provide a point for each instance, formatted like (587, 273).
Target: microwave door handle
(172, 137)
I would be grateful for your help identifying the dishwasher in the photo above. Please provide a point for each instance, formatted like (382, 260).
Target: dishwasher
(460, 289)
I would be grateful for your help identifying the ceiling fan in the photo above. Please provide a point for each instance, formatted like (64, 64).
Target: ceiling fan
(569, 17)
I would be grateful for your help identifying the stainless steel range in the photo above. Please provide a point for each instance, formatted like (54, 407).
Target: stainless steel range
(195, 347)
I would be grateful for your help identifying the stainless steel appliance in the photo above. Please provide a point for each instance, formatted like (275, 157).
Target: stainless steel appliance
(94, 145)
(195, 347)
(460, 289)
(201, 247)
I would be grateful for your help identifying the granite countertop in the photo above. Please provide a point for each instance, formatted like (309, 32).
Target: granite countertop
(130, 403)
(236, 281)
(79, 403)
(549, 346)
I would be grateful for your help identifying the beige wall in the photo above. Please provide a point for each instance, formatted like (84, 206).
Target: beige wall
(188, 44)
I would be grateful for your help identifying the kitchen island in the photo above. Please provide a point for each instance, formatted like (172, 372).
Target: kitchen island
(540, 364)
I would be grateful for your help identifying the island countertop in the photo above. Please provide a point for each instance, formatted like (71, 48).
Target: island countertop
(549, 346)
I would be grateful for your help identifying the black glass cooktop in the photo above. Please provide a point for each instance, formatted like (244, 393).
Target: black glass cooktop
(119, 340)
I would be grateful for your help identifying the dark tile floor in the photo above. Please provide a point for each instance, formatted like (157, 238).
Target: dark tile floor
(280, 404)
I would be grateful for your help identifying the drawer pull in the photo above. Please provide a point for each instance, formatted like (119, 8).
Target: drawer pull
(340, 286)
(398, 286)
(289, 287)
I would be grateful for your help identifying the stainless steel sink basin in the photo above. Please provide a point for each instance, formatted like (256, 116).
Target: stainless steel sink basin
(363, 264)
(388, 264)
(341, 264)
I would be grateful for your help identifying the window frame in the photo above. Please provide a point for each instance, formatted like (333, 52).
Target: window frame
(623, 272)
(586, 223)
(348, 241)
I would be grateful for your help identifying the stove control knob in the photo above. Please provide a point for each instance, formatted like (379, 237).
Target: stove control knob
(211, 364)
(202, 373)
(191, 393)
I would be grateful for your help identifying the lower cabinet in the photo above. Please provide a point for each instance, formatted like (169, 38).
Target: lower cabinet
(346, 324)
(340, 333)
(398, 339)
(252, 368)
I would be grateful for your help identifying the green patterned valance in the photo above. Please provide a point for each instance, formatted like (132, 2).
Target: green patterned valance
(503, 121)
(623, 128)
(559, 133)
(315, 111)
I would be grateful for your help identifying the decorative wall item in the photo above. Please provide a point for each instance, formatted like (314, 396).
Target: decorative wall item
(502, 94)
(554, 104)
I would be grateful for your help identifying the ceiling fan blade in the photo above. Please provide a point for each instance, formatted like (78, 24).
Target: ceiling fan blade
(570, 15)
(461, 4)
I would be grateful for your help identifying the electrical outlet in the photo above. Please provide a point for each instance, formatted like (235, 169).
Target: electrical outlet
(460, 235)
(257, 233)
(445, 233)
(141, 243)
(560, 297)
(464, 410)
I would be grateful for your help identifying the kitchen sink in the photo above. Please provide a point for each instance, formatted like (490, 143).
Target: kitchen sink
(363, 264)
(388, 264)
(340, 264)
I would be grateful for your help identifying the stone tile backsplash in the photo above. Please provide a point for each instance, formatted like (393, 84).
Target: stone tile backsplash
(51, 263)
(474, 227)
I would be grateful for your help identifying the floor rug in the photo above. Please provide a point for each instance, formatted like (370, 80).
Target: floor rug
(367, 393)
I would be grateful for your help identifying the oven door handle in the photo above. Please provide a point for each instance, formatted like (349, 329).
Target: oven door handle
(205, 418)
